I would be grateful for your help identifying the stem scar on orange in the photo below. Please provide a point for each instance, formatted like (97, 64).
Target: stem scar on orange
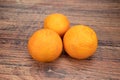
(45, 45)
(80, 42)
(57, 22)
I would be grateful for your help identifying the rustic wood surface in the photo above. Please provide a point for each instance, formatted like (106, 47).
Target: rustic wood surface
(20, 18)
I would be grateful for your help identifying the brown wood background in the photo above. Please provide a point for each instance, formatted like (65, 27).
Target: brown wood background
(20, 18)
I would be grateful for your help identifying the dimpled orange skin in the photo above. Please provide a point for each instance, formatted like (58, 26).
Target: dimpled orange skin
(80, 42)
(57, 22)
(45, 45)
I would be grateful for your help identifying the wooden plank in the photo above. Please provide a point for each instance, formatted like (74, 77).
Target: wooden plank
(101, 64)
(14, 31)
(104, 58)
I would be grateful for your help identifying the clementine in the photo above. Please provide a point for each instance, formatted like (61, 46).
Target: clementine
(45, 45)
(80, 41)
(57, 22)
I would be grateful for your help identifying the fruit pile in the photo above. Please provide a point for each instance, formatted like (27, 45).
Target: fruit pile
(46, 45)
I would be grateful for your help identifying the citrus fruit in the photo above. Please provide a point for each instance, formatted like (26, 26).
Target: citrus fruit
(45, 45)
(57, 22)
(80, 41)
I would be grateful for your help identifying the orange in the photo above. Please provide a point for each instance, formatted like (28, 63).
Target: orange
(80, 42)
(45, 45)
(57, 22)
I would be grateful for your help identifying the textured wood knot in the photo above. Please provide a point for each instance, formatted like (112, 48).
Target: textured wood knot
(49, 70)
(52, 72)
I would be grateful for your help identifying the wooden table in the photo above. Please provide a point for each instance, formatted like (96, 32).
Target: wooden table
(20, 18)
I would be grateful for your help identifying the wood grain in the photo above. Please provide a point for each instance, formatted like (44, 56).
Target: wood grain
(20, 18)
